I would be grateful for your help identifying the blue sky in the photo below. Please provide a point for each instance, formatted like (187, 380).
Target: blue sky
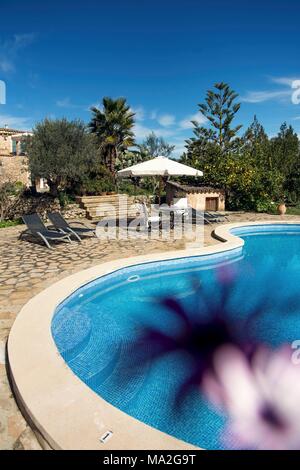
(60, 58)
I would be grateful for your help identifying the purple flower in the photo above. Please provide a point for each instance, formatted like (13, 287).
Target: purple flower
(260, 396)
(200, 335)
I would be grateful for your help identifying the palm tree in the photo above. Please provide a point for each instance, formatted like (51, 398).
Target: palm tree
(113, 126)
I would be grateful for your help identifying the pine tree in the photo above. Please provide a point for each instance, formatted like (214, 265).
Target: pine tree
(220, 110)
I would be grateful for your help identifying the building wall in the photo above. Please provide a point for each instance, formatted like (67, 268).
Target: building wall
(13, 169)
(5, 145)
(198, 200)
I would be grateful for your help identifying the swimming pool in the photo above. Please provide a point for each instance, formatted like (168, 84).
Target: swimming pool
(95, 327)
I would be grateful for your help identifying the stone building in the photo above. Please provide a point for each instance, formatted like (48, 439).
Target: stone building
(13, 161)
(202, 198)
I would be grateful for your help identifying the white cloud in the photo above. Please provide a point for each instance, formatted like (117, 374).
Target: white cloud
(64, 103)
(166, 120)
(187, 124)
(153, 114)
(10, 49)
(5, 65)
(178, 151)
(283, 80)
(262, 96)
(67, 103)
(23, 40)
(142, 131)
(139, 113)
(15, 122)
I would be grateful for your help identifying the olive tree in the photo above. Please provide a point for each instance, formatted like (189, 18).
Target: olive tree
(60, 151)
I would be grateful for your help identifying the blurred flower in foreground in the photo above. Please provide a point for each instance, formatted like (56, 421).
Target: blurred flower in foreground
(200, 335)
(260, 396)
(257, 387)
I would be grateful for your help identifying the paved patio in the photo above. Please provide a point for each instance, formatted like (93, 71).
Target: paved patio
(27, 268)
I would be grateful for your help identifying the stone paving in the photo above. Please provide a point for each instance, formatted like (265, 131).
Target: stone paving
(27, 268)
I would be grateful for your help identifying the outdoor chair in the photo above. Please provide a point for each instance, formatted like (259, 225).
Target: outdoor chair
(217, 215)
(181, 207)
(178, 212)
(60, 224)
(150, 221)
(37, 229)
(200, 216)
(212, 217)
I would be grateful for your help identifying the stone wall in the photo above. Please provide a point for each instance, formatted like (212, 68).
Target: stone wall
(13, 169)
(73, 211)
(5, 145)
(197, 196)
(23, 205)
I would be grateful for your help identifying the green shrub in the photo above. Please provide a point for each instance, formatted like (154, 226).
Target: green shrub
(10, 223)
(265, 206)
(96, 180)
(96, 186)
(127, 187)
(293, 210)
(65, 198)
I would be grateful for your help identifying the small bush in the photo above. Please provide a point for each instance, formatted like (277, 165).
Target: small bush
(65, 199)
(10, 223)
(127, 187)
(94, 187)
(265, 206)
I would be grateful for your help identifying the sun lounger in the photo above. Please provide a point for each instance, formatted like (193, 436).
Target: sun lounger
(218, 215)
(59, 223)
(37, 229)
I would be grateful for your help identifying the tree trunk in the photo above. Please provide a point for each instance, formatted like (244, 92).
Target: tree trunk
(53, 188)
(112, 160)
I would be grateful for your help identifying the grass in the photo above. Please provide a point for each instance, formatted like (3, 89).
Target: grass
(293, 210)
(10, 223)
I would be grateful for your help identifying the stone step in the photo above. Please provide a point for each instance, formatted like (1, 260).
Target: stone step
(105, 207)
(121, 200)
(100, 206)
(118, 217)
(114, 209)
(111, 197)
(108, 206)
(117, 213)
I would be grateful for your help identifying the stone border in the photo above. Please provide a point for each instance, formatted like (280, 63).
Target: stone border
(64, 411)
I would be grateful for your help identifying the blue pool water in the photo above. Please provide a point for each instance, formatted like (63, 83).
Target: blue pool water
(96, 327)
